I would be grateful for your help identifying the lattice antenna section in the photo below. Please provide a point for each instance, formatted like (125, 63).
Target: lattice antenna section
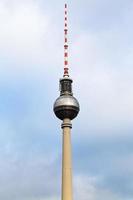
(66, 68)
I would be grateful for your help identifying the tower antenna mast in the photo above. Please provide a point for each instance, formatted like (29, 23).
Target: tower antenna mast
(66, 68)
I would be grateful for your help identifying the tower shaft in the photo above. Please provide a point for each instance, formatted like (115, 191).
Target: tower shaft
(66, 161)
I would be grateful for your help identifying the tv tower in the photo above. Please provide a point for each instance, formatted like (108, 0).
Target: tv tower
(66, 108)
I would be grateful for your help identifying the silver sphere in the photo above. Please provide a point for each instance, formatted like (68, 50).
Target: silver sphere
(66, 106)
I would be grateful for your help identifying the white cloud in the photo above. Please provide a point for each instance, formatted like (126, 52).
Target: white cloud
(103, 83)
(28, 178)
(85, 188)
(28, 37)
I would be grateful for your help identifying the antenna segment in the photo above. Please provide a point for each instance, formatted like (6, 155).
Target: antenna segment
(66, 73)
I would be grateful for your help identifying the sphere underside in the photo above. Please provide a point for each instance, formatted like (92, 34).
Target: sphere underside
(66, 106)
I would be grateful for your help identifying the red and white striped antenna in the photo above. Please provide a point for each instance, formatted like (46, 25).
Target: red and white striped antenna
(66, 73)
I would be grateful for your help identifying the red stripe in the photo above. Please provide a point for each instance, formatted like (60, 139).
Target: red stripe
(65, 71)
(65, 54)
(66, 62)
(65, 46)
(65, 31)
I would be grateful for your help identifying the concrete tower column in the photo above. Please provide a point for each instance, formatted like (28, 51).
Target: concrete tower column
(66, 161)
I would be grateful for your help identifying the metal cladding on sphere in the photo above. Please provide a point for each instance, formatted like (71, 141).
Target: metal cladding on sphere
(66, 106)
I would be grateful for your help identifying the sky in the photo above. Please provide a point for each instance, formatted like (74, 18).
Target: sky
(31, 64)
